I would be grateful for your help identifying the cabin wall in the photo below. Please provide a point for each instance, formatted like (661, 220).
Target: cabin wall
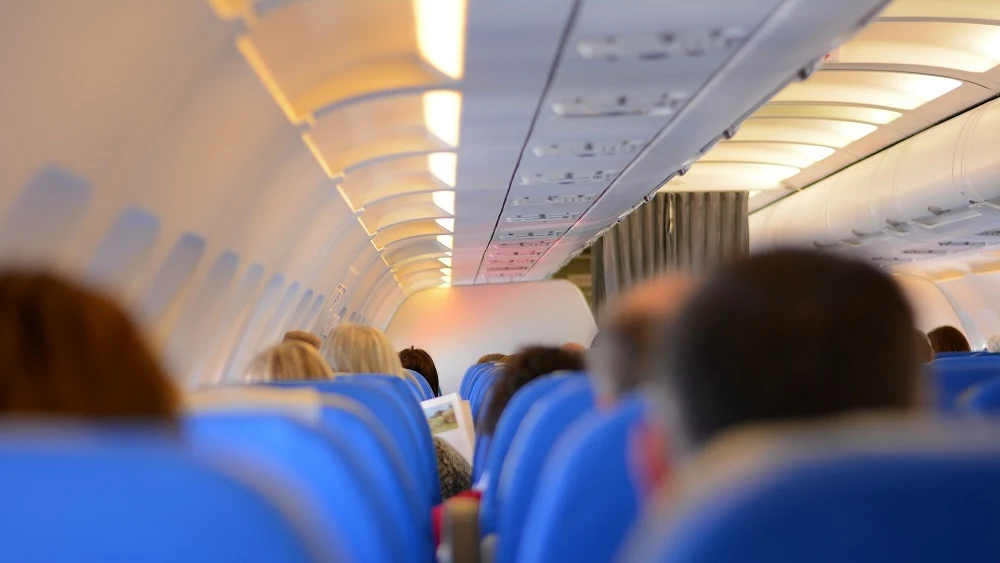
(932, 306)
(459, 324)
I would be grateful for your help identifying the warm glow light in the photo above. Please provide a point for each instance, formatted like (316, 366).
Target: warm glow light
(443, 165)
(753, 193)
(446, 261)
(446, 272)
(968, 47)
(898, 90)
(317, 154)
(445, 200)
(441, 34)
(446, 224)
(822, 132)
(447, 241)
(443, 115)
(260, 68)
(716, 176)
(786, 154)
(820, 111)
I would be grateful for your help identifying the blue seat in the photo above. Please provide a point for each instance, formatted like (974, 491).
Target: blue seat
(425, 387)
(941, 355)
(543, 426)
(586, 500)
(986, 398)
(469, 379)
(503, 437)
(100, 494)
(915, 504)
(317, 462)
(481, 390)
(391, 404)
(951, 376)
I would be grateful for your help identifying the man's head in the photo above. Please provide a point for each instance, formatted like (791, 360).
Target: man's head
(783, 336)
(621, 357)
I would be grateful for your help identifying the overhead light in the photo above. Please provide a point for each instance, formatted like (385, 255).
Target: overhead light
(446, 261)
(446, 224)
(443, 166)
(446, 271)
(441, 34)
(822, 132)
(253, 57)
(967, 47)
(897, 90)
(753, 193)
(821, 111)
(443, 115)
(445, 200)
(714, 176)
(786, 154)
(447, 241)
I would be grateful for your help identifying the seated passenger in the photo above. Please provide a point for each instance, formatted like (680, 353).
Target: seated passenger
(783, 336)
(621, 362)
(573, 347)
(491, 358)
(948, 339)
(304, 337)
(292, 360)
(421, 362)
(524, 367)
(362, 349)
(70, 352)
(454, 471)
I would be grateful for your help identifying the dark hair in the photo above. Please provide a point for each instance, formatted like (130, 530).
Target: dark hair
(421, 362)
(68, 351)
(491, 358)
(521, 369)
(948, 339)
(788, 335)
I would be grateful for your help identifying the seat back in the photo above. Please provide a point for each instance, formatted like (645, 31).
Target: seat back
(986, 398)
(903, 493)
(471, 376)
(586, 500)
(481, 390)
(315, 461)
(425, 387)
(98, 495)
(503, 437)
(541, 429)
(952, 376)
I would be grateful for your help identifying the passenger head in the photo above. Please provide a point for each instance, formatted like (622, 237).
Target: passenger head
(491, 358)
(421, 362)
(621, 363)
(784, 336)
(925, 353)
(70, 352)
(289, 361)
(948, 339)
(362, 349)
(524, 367)
(304, 337)
(573, 347)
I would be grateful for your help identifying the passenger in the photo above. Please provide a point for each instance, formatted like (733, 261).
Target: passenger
(925, 352)
(362, 349)
(491, 358)
(70, 352)
(573, 347)
(621, 363)
(524, 367)
(783, 336)
(421, 362)
(454, 471)
(305, 337)
(948, 339)
(292, 360)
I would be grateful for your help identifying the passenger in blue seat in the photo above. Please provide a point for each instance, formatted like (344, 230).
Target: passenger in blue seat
(948, 339)
(362, 349)
(71, 352)
(421, 362)
(491, 358)
(780, 337)
(291, 360)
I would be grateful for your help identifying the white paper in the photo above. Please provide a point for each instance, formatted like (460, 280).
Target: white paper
(450, 419)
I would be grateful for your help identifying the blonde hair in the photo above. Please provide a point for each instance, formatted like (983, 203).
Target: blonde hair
(362, 349)
(288, 361)
(303, 336)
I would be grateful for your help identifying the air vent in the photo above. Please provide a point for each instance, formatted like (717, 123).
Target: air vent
(925, 251)
(489, 274)
(655, 46)
(884, 259)
(568, 177)
(516, 268)
(548, 234)
(554, 199)
(514, 253)
(543, 217)
(523, 245)
(995, 234)
(589, 148)
(961, 243)
(663, 103)
(511, 261)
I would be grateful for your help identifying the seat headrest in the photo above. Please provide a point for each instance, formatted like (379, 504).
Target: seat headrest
(300, 403)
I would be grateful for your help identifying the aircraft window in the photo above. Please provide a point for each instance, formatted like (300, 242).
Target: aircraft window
(126, 247)
(175, 272)
(45, 215)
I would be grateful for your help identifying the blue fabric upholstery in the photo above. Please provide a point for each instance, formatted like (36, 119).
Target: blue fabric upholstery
(96, 495)
(915, 506)
(425, 387)
(500, 443)
(986, 398)
(544, 424)
(481, 390)
(471, 376)
(952, 376)
(586, 500)
(320, 463)
(941, 355)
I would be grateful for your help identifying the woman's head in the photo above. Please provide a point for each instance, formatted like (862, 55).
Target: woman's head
(288, 361)
(522, 368)
(948, 339)
(69, 351)
(361, 349)
(303, 337)
(491, 358)
(421, 362)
